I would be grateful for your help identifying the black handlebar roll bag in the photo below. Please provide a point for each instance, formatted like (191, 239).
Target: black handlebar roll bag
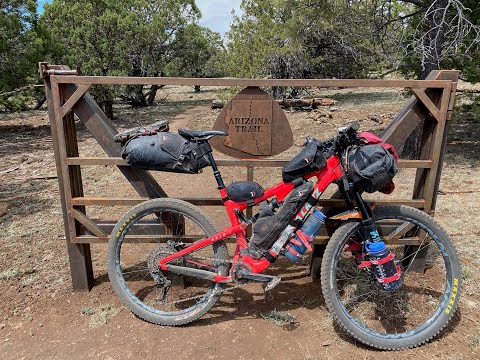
(166, 151)
(371, 167)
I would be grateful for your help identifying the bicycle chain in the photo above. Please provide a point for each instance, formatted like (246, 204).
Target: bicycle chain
(214, 261)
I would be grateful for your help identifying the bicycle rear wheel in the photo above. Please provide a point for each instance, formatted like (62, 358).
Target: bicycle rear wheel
(146, 234)
(429, 294)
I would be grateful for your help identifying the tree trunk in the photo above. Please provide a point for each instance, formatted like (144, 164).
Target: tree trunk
(433, 39)
(40, 103)
(151, 94)
(136, 97)
(108, 108)
(431, 56)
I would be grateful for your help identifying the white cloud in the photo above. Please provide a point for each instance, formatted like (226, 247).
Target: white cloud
(217, 15)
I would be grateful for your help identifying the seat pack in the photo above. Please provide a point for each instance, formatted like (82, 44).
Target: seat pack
(166, 151)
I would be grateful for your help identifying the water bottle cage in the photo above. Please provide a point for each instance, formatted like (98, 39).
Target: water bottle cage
(386, 259)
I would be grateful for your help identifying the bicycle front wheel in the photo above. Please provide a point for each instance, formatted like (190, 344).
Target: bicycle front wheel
(431, 280)
(152, 231)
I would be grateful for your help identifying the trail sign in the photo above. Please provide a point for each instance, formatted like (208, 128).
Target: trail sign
(257, 126)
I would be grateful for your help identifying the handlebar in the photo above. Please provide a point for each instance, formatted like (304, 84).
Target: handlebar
(346, 136)
(350, 129)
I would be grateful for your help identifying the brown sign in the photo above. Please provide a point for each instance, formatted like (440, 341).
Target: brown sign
(256, 125)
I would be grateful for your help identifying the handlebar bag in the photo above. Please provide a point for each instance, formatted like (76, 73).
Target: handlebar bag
(371, 167)
(270, 224)
(166, 151)
(309, 160)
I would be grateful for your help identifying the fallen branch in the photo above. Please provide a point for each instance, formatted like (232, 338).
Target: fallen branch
(469, 91)
(9, 170)
(28, 87)
(43, 177)
(314, 102)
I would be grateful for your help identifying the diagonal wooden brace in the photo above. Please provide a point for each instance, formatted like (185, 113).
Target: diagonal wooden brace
(420, 94)
(72, 100)
(88, 223)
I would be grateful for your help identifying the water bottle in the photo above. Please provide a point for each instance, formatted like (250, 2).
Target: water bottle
(303, 237)
(387, 273)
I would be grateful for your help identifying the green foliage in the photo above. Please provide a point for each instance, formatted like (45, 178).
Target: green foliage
(298, 39)
(197, 52)
(20, 51)
(129, 37)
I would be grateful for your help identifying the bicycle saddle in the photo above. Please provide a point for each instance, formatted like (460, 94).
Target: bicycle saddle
(202, 134)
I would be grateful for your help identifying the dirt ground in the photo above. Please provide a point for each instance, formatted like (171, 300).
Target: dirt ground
(41, 318)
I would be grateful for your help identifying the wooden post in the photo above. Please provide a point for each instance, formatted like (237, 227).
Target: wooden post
(70, 184)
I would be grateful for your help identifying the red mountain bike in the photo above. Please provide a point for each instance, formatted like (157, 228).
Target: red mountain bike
(390, 274)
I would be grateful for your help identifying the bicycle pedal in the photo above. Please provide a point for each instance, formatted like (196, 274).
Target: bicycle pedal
(272, 283)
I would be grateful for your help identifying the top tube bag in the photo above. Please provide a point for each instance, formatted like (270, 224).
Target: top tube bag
(309, 160)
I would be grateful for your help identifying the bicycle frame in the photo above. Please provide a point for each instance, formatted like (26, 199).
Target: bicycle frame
(332, 172)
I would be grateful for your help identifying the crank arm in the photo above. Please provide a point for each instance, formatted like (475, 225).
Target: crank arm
(255, 277)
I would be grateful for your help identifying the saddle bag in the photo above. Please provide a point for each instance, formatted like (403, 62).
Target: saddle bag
(310, 159)
(270, 224)
(166, 151)
(372, 167)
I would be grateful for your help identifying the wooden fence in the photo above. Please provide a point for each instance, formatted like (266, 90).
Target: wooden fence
(430, 107)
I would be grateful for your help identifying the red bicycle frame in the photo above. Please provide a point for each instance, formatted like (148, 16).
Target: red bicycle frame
(332, 172)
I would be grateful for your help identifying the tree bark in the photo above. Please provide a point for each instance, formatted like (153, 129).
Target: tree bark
(40, 103)
(108, 108)
(136, 97)
(433, 39)
(152, 94)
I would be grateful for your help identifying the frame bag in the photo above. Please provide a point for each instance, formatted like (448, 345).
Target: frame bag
(270, 224)
(166, 152)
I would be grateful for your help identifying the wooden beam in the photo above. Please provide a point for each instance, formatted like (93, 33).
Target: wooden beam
(125, 80)
(131, 201)
(70, 184)
(118, 161)
(420, 94)
(73, 99)
(88, 223)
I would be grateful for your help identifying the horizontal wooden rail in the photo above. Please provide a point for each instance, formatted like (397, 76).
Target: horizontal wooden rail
(90, 239)
(124, 80)
(118, 161)
(104, 201)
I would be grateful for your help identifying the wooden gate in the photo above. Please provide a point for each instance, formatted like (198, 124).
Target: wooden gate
(430, 107)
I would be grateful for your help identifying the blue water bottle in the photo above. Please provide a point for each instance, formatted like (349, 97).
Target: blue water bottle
(303, 237)
(381, 259)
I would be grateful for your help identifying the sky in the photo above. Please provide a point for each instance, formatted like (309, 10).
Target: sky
(216, 14)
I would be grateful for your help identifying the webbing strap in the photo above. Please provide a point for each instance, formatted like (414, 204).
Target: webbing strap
(392, 278)
(386, 259)
(305, 239)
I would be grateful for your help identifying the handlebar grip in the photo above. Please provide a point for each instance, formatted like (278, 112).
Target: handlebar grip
(352, 128)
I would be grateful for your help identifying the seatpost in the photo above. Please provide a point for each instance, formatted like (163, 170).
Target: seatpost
(217, 174)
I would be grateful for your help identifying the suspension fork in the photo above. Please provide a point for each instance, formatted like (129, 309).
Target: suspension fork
(367, 216)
